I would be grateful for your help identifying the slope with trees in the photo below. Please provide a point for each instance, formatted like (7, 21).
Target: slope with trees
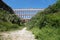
(46, 24)
(8, 19)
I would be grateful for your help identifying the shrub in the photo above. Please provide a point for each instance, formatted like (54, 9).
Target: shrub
(45, 25)
(9, 21)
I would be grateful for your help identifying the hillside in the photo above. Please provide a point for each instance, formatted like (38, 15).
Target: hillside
(5, 7)
(8, 19)
(46, 24)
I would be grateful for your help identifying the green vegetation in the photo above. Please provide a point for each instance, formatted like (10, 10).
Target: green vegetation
(45, 25)
(9, 21)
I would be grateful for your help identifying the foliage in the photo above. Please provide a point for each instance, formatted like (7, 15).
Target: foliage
(46, 24)
(6, 16)
(46, 33)
(9, 21)
(6, 26)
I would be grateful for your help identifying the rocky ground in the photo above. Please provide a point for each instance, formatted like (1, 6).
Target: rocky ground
(18, 35)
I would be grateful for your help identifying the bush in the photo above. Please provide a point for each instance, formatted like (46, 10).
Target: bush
(9, 21)
(6, 26)
(46, 33)
(45, 25)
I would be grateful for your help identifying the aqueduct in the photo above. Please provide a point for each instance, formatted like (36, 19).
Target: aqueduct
(26, 14)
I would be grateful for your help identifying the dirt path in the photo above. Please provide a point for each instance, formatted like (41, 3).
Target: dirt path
(18, 35)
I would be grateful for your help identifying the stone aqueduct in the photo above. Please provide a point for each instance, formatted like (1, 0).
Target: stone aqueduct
(26, 14)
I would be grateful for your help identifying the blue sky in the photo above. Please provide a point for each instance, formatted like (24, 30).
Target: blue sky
(29, 3)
